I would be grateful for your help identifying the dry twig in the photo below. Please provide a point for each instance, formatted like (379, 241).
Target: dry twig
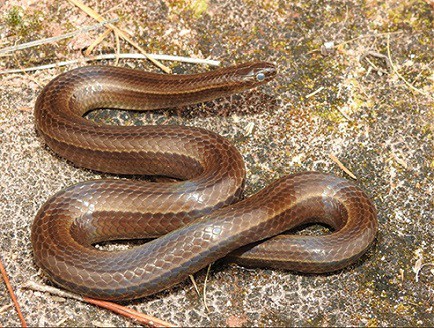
(12, 294)
(378, 55)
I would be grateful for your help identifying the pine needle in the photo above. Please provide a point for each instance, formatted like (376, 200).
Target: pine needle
(114, 307)
(12, 294)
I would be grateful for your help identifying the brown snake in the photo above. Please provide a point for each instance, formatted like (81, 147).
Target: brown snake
(198, 219)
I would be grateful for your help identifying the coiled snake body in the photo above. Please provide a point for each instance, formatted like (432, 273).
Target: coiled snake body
(198, 219)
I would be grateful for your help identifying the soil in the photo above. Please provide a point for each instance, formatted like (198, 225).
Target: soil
(355, 80)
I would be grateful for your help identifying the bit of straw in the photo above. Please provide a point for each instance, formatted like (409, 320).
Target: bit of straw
(411, 86)
(120, 32)
(339, 163)
(56, 38)
(96, 42)
(204, 288)
(193, 281)
(315, 92)
(113, 56)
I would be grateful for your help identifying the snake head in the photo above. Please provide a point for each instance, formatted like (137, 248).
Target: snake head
(256, 73)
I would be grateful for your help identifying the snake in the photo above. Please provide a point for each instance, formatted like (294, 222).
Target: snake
(196, 218)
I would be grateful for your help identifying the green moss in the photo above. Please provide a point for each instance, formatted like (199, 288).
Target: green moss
(188, 8)
(198, 7)
(14, 17)
(415, 15)
(24, 25)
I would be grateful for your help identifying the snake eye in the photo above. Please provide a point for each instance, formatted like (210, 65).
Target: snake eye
(260, 77)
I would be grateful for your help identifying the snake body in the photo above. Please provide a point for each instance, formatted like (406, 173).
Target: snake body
(195, 220)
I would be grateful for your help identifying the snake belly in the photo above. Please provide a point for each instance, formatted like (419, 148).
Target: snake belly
(196, 220)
